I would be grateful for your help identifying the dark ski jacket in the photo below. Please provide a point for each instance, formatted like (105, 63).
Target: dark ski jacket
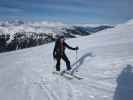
(59, 50)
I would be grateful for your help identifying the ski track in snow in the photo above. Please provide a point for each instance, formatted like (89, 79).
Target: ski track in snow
(68, 89)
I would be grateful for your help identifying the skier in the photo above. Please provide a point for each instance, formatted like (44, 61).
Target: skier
(59, 52)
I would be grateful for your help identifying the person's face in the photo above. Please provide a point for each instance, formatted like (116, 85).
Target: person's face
(62, 40)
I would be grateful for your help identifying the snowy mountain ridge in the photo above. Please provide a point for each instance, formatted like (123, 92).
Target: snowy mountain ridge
(38, 26)
(19, 34)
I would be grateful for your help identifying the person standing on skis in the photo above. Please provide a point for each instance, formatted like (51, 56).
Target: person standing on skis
(59, 52)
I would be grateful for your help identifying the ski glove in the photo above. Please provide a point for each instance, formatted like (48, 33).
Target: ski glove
(54, 55)
(77, 48)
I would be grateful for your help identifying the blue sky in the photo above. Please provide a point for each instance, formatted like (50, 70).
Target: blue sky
(68, 11)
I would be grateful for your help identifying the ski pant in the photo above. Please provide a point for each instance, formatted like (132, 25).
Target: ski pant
(64, 57)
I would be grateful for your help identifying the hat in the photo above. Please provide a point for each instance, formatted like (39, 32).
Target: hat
(61, 36)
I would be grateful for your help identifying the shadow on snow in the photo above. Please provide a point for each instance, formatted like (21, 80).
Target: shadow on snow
(124, 89)
(80, 61)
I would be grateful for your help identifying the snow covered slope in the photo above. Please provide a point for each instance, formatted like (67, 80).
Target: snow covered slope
(105, 60)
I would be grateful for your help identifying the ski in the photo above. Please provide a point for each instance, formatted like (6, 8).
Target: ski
(73, 75)
(68, 75)
(63, 75)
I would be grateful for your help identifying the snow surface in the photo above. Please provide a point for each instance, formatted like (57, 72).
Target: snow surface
(105, 61)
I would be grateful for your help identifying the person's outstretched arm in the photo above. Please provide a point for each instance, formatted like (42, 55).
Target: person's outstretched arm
(69, 47)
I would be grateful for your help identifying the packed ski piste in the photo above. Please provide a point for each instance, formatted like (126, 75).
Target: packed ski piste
(98, 67)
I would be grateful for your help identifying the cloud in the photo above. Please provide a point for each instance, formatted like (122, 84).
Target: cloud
(41, 26)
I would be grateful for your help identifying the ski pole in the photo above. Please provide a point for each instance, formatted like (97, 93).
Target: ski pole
(76, 58)
(76, 55)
